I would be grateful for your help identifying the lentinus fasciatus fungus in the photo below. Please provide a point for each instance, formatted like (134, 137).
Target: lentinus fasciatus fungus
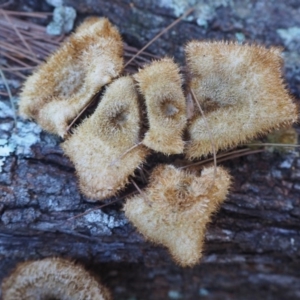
(241, 91)
(96, 147)
(226, 94)
(52, 278)
(176, 208)
(88, 60)
(160, 83)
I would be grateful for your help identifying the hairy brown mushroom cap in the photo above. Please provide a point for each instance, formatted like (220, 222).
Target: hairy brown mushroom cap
(52, 278)
(62, 86)
(241, 92)
(98, 146)
(160, 84)
(176, 207)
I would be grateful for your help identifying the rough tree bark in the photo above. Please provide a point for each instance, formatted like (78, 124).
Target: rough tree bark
(252, 245)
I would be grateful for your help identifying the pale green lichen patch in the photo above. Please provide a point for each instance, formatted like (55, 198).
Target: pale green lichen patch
(204, 11)
(290, 37)
(15, 138)
(63, 20)
(100, 223)
(174, 295)
(55, 3)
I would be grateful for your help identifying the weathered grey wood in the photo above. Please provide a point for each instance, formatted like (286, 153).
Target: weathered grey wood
(252, 246)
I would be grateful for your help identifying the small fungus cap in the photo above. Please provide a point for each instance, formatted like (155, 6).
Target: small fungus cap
(52, 278)
(98, 146)
(89, 59)
(241, 91)
(160, 84)
(176, 207)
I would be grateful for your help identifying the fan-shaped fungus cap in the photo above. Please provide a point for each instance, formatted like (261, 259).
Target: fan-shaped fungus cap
(241, 92)
(160, 84)
(52, 278)
(62, 86)
(98, 146)
(175, 208)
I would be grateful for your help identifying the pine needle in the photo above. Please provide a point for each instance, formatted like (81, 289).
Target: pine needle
(10, 96)
(160, 34)
(209, 133)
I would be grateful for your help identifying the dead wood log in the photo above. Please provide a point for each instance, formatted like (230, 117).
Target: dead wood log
(252, 245)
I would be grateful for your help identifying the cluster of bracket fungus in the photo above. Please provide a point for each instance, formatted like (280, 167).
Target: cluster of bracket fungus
(232, 93)
(52, 278)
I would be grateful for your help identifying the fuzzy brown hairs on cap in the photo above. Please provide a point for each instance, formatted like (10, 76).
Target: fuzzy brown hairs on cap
(241, 91)
(98, 145)
(89, 59)
(176, 208)
(52, 278)
(160, 84)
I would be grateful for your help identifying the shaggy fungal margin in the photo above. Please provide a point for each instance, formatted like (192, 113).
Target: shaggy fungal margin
(241, 92)
(160, 84)
(99, 145)
(62, 86)
(176, 207)
(52, 278)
